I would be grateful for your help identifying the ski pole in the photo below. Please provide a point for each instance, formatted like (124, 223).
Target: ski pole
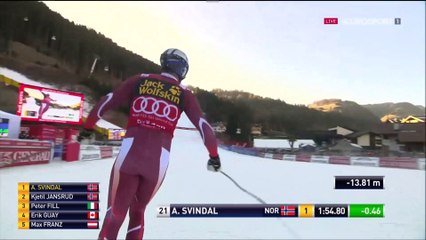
(291, 231)
(244, 190)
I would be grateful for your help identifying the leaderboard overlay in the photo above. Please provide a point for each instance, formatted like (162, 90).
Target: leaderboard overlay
(58, 205)
(272, 210)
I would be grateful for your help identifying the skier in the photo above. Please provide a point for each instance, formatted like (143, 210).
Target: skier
(156, 103)
(45, 104)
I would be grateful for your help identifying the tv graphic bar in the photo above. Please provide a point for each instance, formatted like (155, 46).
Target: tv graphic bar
(60, 225)
(270, 210)
(63, 187)
(228, 210)
(359, 182)
(49, 205)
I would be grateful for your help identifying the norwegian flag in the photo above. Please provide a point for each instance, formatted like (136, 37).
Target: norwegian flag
(288, 210)
(92, 187)
(92, 196)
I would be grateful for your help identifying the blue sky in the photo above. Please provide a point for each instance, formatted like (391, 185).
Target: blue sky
(281, 50)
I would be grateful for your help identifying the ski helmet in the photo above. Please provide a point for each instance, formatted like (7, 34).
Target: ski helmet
(175, 61)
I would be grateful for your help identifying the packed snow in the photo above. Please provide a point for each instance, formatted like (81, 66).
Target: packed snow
(279, 182)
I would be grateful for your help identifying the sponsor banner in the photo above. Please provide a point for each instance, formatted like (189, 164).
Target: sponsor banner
(303, 158)
(186, 128)
(106, 151)
(365, 161)
(93, 152)
(89, 147)
(115, 151)
(89, 152)
(288, 157)
(24, 143)
(339, 160)
(19, 155)
(320, 159)
(421, 163)
(398, 162)
(393, 162)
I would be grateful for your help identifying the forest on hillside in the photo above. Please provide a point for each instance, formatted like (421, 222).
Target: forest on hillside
(34, 25)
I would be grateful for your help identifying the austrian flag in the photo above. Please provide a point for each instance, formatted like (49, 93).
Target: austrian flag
(92, 215)
(92, 187)
(92, 224)
(92, 196)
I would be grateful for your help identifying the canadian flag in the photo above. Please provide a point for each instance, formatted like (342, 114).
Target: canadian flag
(92, 215)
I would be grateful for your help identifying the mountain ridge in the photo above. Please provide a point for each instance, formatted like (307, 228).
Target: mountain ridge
(380, 110)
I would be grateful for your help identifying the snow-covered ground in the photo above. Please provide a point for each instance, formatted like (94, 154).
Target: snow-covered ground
(279, 182)
(22, 78)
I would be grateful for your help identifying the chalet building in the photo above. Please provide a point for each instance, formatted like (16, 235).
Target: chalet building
(343, 131)
(366, 139)
(407, 134)
(408, 137)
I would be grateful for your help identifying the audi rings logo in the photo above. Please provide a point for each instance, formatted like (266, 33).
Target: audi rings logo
(159, 108)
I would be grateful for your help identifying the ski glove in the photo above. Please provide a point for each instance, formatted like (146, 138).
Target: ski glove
(213, 164)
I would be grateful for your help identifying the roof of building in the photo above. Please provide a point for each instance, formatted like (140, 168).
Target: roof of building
(410, 118)
(335, 128)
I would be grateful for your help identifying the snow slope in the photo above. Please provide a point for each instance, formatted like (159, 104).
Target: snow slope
(280, 182)
(22, 78)
(188, 181)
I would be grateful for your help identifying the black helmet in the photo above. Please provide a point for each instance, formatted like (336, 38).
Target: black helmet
(175, 61)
